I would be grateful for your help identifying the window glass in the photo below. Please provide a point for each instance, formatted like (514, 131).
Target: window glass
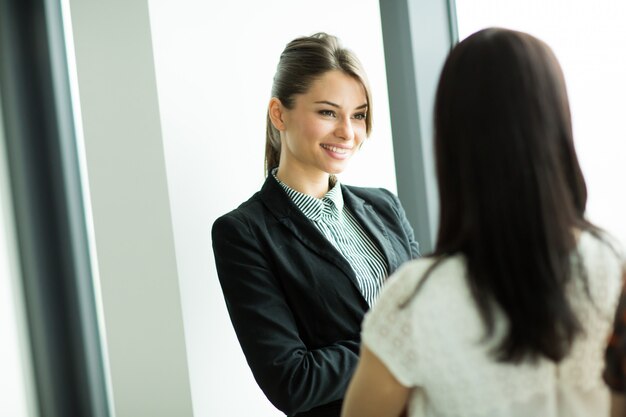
(13, 350)
(588, 39)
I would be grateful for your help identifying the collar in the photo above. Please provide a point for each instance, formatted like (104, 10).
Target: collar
(327, 208)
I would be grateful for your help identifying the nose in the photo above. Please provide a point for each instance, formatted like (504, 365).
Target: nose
(344, 129)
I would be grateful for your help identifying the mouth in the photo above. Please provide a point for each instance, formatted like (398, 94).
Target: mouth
(336, 149)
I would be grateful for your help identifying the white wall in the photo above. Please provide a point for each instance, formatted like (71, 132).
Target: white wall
(589, 40)
(118, 127)
(214, 66)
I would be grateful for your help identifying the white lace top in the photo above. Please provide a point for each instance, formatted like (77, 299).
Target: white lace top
(434, 345)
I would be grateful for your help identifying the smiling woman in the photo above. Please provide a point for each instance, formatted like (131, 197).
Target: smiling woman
(325, 127)
(304, 258)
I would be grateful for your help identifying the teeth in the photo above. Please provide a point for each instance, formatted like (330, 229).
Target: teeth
(335, 149)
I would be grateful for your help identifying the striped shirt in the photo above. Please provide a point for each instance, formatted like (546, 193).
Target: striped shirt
(338, 225)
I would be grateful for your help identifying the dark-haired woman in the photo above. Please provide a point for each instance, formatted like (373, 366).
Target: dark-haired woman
(510, 315)
(303, 259)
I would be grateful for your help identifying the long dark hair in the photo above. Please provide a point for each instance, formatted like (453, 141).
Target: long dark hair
(511, 189)
(303, 61)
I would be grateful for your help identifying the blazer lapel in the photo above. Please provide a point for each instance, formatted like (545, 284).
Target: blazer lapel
(373, 225)
(288, 214)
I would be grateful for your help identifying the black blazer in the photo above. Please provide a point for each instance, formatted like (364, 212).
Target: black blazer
(293, 298)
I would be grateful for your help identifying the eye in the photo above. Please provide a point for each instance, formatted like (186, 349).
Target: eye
(360, 116)
(327, 113)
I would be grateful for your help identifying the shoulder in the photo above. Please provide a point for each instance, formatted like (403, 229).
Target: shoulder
(603, 259)
(601, 253)
(242, 217)
(391, 329)
(600, 241)
(373, 193)
(425, 274)
(377, 197)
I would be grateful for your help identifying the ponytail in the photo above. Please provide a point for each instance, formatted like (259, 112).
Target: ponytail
(272, 147)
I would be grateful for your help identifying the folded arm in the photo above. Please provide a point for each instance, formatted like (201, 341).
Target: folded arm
(293, 377)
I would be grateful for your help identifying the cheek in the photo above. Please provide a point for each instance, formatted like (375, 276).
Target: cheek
(313, 130)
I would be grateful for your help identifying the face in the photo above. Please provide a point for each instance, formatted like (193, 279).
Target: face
(325, 127)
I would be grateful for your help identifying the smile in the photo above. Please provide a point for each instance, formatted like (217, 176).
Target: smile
(335, 149)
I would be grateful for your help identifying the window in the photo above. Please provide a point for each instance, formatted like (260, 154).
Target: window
(13, 351)
(588, 39)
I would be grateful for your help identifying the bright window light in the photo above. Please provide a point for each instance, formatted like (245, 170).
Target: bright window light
(588, 39)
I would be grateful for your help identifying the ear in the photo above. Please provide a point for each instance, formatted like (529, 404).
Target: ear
(276, 111)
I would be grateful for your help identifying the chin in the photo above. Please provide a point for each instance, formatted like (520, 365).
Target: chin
(335, 170)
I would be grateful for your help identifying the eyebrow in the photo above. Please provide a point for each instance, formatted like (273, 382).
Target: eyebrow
(330, 103)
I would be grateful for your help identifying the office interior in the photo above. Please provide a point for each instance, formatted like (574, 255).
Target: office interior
(128, 127)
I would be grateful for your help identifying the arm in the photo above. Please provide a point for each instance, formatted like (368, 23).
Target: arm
(374, 391)
(294, 378)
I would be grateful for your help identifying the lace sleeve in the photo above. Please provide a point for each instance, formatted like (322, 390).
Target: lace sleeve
(388, 330)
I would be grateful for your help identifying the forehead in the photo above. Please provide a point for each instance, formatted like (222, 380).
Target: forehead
(337, 87)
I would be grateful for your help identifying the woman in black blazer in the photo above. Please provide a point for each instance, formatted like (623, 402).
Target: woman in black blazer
(303, 259)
